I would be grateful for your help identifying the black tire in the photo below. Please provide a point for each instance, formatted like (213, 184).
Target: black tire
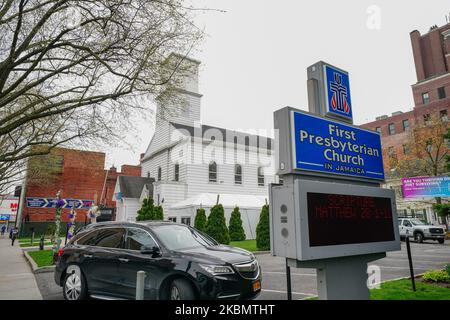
(441, 241)
(419, 237)
(181, 289)
(71, 280)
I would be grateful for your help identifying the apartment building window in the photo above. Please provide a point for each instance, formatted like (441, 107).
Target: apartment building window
(173, 219)
(177, 172)
(425, 97)
(186, 220)
(406, 125)
(406, 150)
(427, 119)
(378, 129)
(159, 173)
(238, 174)
(443, 115)
(441, 93)
(391, 129)
(212, 172)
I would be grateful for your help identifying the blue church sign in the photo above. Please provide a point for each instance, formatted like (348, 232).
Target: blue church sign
(327, 146)
(337, 91)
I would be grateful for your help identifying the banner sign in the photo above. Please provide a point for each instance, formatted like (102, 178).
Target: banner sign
(327, 146)
(5, 217)
(426, 187)
(337, 91)
(51, 203)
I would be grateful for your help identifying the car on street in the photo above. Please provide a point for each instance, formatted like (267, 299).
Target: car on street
(180, 262)
(411, 227)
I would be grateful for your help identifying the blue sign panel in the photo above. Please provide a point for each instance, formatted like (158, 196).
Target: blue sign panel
(337, 90)
(51, 203)
(332, 147)
(5, 217)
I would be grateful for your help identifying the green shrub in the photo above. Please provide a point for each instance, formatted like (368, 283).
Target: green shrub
(200, 220)
(217, 227)
(447, 268)
(158, 213)
(263, 230)
(436, 276)
(149, 211)
(235, 228)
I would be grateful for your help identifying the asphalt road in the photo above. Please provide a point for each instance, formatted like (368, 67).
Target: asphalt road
(426, 256)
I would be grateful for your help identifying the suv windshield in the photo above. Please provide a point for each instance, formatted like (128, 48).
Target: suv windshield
(176, 237)
(417, 222)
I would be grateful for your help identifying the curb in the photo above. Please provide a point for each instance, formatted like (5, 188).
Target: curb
(35, 267)
(260, 252)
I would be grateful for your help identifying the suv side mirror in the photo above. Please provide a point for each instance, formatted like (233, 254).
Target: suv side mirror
(154, 251)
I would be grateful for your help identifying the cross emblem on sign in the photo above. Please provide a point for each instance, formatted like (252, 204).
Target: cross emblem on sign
(339, 99)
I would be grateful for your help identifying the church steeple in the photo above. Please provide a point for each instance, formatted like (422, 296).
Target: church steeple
(183, 103)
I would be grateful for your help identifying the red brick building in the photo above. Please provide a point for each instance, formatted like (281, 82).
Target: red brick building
(79, 175)
(431, 93)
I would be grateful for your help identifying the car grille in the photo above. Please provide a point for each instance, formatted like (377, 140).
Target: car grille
(436, 230)
(248, 270)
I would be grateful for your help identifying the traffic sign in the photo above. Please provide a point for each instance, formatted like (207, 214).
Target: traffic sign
(51, 203)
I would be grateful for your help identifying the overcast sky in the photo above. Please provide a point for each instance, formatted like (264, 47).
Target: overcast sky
(255, 56)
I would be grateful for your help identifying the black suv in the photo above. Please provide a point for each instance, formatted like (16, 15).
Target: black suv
(180, 263)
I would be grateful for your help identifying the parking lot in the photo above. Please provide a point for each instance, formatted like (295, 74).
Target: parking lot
(426, 256)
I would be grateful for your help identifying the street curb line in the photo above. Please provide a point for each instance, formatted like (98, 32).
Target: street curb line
(34, 266)
(260, 252)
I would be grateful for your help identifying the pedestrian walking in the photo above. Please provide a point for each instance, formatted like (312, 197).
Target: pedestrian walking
(15, 234)
(3, 230)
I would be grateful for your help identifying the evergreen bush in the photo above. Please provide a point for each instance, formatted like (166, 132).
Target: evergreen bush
(262, 230)
(158, 213)
(147, 212)
(216, 226)
(200, 220)
(235, 228)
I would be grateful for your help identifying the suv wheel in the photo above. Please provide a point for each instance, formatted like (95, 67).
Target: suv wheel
(181, 289)
(441, 241)
(419, 237)
(74, 287)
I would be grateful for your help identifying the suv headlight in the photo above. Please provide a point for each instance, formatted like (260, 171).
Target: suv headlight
(216, 269)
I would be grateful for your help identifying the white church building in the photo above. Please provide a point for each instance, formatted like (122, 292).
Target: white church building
(197, 165)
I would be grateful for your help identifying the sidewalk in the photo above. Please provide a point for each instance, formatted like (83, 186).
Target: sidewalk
(17, 280)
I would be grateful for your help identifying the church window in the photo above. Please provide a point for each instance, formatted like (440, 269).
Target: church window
(212, 172)
(238, 174)
(261, 177)
(177, 172)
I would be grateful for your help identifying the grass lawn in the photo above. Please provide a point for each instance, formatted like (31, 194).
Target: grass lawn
(35, 244)
(402, 290)
(249, 245)
(42, 258)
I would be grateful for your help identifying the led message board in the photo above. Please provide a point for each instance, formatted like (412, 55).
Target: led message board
(347, 219)
(313, 220)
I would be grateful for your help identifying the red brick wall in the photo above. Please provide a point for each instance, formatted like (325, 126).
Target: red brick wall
(128, 170)
(82, 177)
(429, 52)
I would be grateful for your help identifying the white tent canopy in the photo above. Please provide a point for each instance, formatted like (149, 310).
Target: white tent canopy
(227, 200)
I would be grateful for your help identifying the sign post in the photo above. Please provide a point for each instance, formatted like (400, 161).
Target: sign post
(330, 214)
